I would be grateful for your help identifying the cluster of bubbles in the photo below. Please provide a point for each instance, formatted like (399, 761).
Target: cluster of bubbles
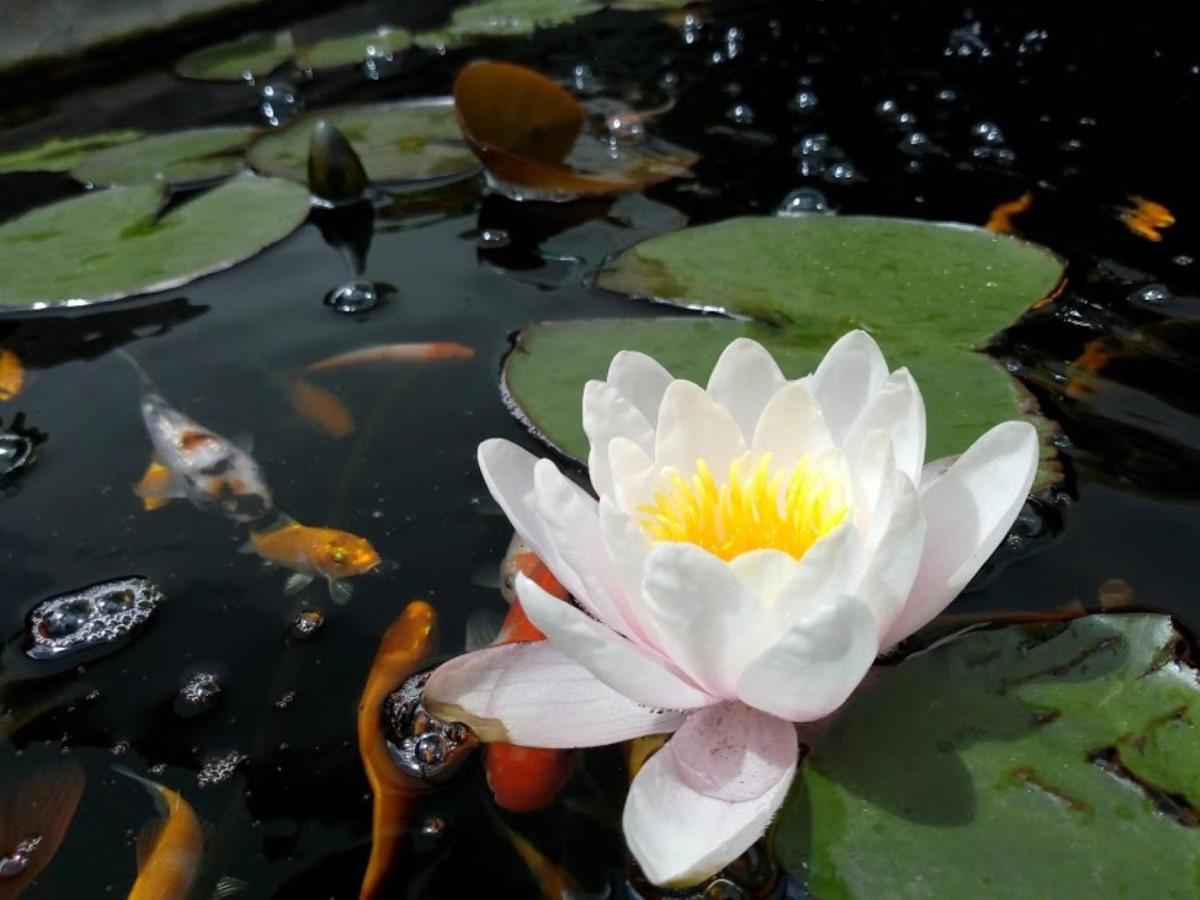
(306, 624)
(279, 101)
(92, 616)
(820, 157)
(219, 769)
(421, 744)
(14, 863)
(17, 443)
(199, 694)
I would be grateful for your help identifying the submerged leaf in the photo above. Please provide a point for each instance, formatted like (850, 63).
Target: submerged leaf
(509, 18)
(351, 49)
(106, 245)
(245, 58)
(1023, 762)
(178, 157)
(61, 154)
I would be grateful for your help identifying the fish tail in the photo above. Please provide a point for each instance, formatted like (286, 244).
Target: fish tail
(147, 381)
(44, 805)
(153, 787)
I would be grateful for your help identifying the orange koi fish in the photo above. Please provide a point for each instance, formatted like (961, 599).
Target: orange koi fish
(12, 375)
(309, 552)
(35, 814)
(405, 645)
(1001, 218)
(553, 882)
(168, 848)
(1145, 218)
(154, 485)
(394, 353)
(320, 406)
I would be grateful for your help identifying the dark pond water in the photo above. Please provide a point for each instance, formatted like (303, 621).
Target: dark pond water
(1083, 114)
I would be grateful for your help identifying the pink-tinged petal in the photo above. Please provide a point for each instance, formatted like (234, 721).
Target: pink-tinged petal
(704, 618)
(850, 373)
(508, 473)
(608, 415)
(625, 667)
(745, 377)
(532, 695)
(935, 469)
(641, 380)
(628, 548)
(634, 478)
(968, 510)
(816, 665)
(692, 426)
(791, 426)
(709, 794)
(832, 567)
(765, 573)
(897, 408)
(894, 544)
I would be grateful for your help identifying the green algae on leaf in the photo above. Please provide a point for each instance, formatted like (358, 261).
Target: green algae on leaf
(62, 154)
(1024, 762)
(510, 18)
(107, 245)
(351, 49)
(243, 59)
(178, 157)
(402, 141)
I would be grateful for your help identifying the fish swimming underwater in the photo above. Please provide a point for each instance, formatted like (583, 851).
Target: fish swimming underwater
(35, 813)
(192, 462)
(393, 353)
(309, 551)
(169, 848)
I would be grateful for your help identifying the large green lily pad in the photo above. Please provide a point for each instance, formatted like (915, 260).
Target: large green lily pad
(404, 141)
(247, 57)
(61, 154)
(355, 48)
(1027, 762)
(509, 18)
(178, 157)
(106, 245)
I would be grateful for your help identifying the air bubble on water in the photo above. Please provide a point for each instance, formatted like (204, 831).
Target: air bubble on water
(1033, 42)
(802, 201)
(740, 114)
(286, 701)
(812, 145)
(804, 101)
(967, 41)
(691, 28)
(1071, 145)
(306, 624)
(422, 745)
(669, 82)
(584, 80)
(95, 615)
(1151, 294)
(219, 769)
(120, 748)
(735, 38)
(947, 95)
(15, 862)
(1182, 260)
(493, 239)
(430, 749)
(841, 172)
(988, 132)
(916, 143)
(279, 102)
(357, 296)
(433, 827)
(198, 694)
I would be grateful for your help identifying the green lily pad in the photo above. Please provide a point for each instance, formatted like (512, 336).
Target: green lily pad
(178, 157)
(61, 154)
(355, 48)
(107, 245)
(510, 18)
(439, 40)
(247, 57)
(1027, 762)
(405, 141)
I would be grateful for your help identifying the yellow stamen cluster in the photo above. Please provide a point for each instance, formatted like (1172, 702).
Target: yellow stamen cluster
(752, 509)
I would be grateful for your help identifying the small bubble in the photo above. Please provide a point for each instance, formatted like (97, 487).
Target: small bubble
(493, 239)
(804, 101)
(434, 827)
(286, 701)
(842, 172)
(279, 101)
(584, 80)
(120, 748)
(802, 201)
(1182, 260)
(691, 28)
(740, 114)
(947, 95)
(887, 109)
(988, 132)
(1151, 294)
(306, 624)
(669, 82)
(431, 749)
(198, 694)
(357, 296)
(812, 145)
(915, 143)
(734, 39)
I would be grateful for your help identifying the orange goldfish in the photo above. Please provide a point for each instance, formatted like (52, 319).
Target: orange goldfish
(169, 848)
(406, 643)
(394, 353)
(1145, 218)
(35, 814)
(1001, 218)
(320, 406)
(154, 485)
(309, 552)
(12, 375)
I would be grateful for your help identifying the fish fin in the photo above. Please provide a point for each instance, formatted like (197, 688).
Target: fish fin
(483, 627)
(155, 789)
(227, 886)
(296, 582)
(147, 839)
(150, 504)
(248, 548)
(44, 804)
(340, 592)
(244, 441)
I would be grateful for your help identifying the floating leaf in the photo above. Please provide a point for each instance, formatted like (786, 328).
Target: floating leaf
(510, 18)
(106, 245)
(178, 157)
(439, 40)
(61, 154)
(527, 130)
(405, 141)
(246, 58)
(355, 48)
(1023, 762)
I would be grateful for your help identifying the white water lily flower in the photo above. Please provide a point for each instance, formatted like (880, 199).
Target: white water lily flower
(756, 544)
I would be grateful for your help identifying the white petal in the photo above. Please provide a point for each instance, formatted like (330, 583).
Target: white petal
(705, 619)
(685, 818)
(872, 465)
(608, 415)
(935, 469)
(692, 426)
(622, 665)
(816, 665)
(897, 408)
(968, 510)
(641, 380)
(832, 567)
(850, 373)
(745, 377)
(765, 573)
(634, 478)
(530, 694)
(791, 426)
(894, 544)
(628, 548)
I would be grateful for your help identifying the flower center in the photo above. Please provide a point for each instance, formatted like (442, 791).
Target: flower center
(751, 509)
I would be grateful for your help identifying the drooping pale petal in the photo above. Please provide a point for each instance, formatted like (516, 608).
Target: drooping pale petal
(850, 373)
(968, 510)
(744, 378)
(709, 794)
(692, 426)
(634, 478)
(640, 379)
(791, 425)
(608, 415)
(530, 694)
(705, 619)
(897, 408)
(622, 665)
(814, 667)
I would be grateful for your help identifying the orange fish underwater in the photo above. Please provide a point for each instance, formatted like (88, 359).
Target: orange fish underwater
(1145, 218)
(12, 375)
(1001, 218)
(322, 407)
(35, 813)
(394, 353)
(308, 552)
(168, 849)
